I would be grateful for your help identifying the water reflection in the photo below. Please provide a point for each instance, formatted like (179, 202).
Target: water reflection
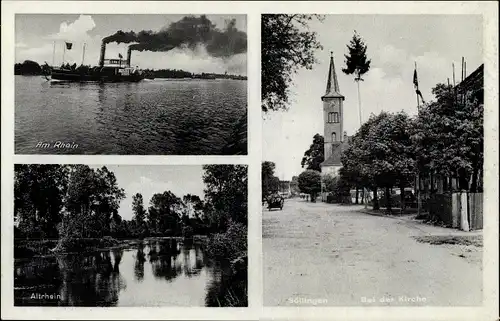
(140, 258)
(179, 275)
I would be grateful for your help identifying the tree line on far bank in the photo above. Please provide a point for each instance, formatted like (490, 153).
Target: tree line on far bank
(72, 202)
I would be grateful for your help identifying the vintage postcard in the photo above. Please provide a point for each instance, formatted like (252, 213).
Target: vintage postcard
(130, 84)
(239, 160)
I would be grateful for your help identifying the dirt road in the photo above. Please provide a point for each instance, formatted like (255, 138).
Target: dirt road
(332, 255)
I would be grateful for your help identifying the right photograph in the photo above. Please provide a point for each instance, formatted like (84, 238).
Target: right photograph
(372, 169)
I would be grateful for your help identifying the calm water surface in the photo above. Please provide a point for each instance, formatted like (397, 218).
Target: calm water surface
(150, 273)
(176, 117)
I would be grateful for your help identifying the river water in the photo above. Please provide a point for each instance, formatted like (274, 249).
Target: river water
(164, 117)
(147, 274)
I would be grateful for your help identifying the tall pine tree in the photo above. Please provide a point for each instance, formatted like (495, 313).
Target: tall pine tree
(357, 64)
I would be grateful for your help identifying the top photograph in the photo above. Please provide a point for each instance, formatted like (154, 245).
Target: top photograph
(113, 84)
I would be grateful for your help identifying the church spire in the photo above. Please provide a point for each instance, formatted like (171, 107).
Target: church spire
(332, 85)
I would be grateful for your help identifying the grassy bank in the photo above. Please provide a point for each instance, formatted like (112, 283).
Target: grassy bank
(25, 248)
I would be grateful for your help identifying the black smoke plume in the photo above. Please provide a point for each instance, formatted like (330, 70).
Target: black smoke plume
(188, 32)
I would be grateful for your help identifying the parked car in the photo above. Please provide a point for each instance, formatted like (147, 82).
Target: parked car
(276, 201)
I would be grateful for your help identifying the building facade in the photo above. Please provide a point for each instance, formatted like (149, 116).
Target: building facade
(335, 139)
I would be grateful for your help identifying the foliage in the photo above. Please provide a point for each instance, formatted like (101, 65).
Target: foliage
(229, 245)
(286, 47)
(381, 153)
(270, 183)
(28, 67)
(356, 61)
(310, 183)
(294, 185)
(93, 200)
(39, 192)
(314, 156)
(164, 213)
(226, 188)
(448, 137)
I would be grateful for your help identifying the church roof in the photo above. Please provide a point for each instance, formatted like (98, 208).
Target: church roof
(332, 84)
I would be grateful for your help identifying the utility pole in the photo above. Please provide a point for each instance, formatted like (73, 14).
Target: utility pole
(418, 190)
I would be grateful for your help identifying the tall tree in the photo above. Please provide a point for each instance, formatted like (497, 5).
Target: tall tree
(139, 214)
(357, 64)
(315, 155)
(449, 138)
(226, 192)
(166, 210)
(381, 152)
(310, 183)
(286, 46)
(194, 204)
(138, 208)
(270, 183)
(39, 192)
(92, 202)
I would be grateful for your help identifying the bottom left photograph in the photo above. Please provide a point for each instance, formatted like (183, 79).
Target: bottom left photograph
(126, 235)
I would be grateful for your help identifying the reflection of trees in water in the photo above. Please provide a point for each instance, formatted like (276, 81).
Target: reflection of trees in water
(38, 275)
(192, 259)
(227, 288)
(140, 258)
(91, 280)
(162, 257)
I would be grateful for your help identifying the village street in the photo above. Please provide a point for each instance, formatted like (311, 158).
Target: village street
(334, 255)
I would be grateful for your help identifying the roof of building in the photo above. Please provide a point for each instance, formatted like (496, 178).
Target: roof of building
(474, 81)
(332, 84)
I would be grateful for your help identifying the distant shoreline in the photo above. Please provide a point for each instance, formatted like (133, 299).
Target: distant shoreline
(32, 68)
(167, 78)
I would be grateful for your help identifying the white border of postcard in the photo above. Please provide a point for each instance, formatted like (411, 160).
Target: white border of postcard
(489, 11)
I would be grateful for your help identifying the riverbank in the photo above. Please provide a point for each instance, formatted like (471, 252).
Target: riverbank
(24, 248)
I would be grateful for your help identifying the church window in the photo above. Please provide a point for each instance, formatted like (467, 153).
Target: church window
(335, 117)
(334, 137)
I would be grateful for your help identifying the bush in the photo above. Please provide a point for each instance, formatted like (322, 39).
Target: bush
(71, 244)
(187, 231)
(229, 245)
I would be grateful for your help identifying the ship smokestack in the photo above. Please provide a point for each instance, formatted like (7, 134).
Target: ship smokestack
(103, 53)
(129, 54)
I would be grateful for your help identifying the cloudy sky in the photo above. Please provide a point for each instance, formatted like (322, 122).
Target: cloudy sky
(152, 179)
(36, 34)
(395, 43)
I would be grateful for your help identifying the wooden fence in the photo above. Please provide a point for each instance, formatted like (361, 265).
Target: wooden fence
(449, 207)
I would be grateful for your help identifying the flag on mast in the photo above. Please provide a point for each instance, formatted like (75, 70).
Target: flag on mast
(415, 84)
(120, 56)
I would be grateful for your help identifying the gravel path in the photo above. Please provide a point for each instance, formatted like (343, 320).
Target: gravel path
(332, 255)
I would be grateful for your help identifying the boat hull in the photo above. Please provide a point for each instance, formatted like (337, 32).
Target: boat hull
(75, 76)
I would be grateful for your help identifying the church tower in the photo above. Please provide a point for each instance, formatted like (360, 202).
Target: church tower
(333, 114)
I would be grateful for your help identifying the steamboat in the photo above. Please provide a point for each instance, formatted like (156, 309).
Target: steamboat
(108, 70)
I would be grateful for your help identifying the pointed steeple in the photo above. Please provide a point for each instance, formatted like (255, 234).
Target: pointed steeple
(332, 85)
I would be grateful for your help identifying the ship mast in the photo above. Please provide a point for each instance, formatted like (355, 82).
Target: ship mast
(83, 54)
(54, 54)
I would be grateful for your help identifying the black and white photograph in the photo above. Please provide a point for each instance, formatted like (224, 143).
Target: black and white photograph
(130, 84)
(372, 169)
(130, 235)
